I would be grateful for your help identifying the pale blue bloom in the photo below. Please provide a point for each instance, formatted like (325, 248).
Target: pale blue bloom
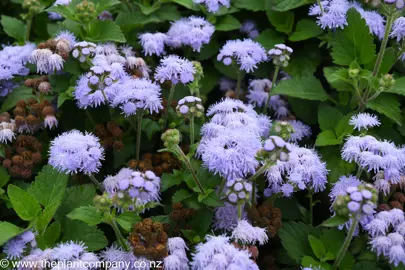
(175, 69)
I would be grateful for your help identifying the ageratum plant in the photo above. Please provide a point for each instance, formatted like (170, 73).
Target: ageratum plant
(202, 134)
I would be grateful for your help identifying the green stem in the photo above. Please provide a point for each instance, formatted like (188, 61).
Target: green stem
(253, 194)
(168, 105)
(320, 6)
(191, 130)
(240, 211)
(132, 123)
(380, 57)
(260, 171)
(28, 29)
(273, 83)
(311, 206)
(96, 182)
(359, 171)
(190, 168)
(88, 114)
(239, 83)
(346, 244)
(118, 233)
(138, 134)
(222, 186)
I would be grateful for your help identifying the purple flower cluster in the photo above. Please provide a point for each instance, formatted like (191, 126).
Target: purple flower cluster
(303, 170)
(177, 260)
(153, 43)
(190, 106)
(226, 217)
(213, 5)
(387, 232)
(247, 53)
(398, 3)
(381, 157)
(73, 152)
(280, 55)
(218, 253)
(301, 131)
(133, 95)
(175, 69)
(250, 28)
(238, 191)
(364, 121)
(231, 139)
(7, 131)
(19, 245)
(84, 51)
(398, 27)
(116, 254)
(136, 187)
(96, 87)
(246, 234)
(192, 31)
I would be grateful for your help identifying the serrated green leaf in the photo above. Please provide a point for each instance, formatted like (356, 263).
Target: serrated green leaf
(13, 27)
(332, 239)
(52, 234)
(87, 214)
(4, 177)
(105, 4)
(268, 38)
(150, 127)
(305, 29)
(101, 31)
(328, 117)
(338, 78)
(49, 186)
(168, 13)
(390, 57)
(253, 5)
(76, 230)
(8, 231)
(171, 179)
(18, 93)
(305, 61)
(46, 216)
(335, 221)
(75, 197)
(127, 220)
(186, 3)
(343, 128)
(62, 98)
(308, 261)
(284, 5)
(326, 138)
(24, 204)
(354, 42)
(181, 195)
(388, 105)
(227, 23)
(212, 199)
(65, 10)
(317, 246)
(209, 81)
(335, 164)
(301, 87)
(229, 71)
(282, 21)
(147, 9)
(161, 219)
(202, 221)
(347, 262)
(399, 87)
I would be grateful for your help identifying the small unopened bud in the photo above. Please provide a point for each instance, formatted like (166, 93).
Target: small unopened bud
(45, 87)
(171, 137)
(354, 72)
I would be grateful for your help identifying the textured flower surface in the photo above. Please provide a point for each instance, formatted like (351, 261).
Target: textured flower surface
(153, 43)
(213, 5)
(364, 120)
(175, 69)
(245, 233)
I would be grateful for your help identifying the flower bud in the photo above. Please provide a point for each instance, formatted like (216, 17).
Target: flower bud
(280, 55)
(86, 11)
(190, 106)
(238, 192)
(353, 73)
(171, 137)
(282, 129)
(44, 87)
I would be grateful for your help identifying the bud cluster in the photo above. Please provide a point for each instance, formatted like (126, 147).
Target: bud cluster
(274, 148)
(358, 202)
(102, 202)
(159, 163)
(282, 129)
(398, 3)
(171, 138)
(110, 135)
(40, 84)
(386, 83)
(33, 6)
(266, 216)
(84, 51)
(280, 55)
(190, 106)
(195, 86)
(238, 191)
(86, 11)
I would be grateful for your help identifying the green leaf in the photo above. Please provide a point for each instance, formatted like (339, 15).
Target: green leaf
(328, 117)
(75, 197)
(161, 219)
(305, 61)
(268, 38)
(388, 105)
(201, 221)
(253, 5)
(308, 261)
(332, 239)
(4, 177)
(343, 128)
(24, 204)
(317, 246)
(147, 9)
(76, 230)
(181, 195)
(354, 42)
(365, 265)
(305, 29)
(63, 97)
(18, 93)
(294, 238)
(8, 231)
(100, 31)
(127, 220)
(13, 27)
(105, 4)
(212, 199)
(338, 78)
(327, 137)
(168, 13)
(335, 221)
(46, 217)
(186, 3)
(87, 214)
(348, 262)
(229, 71)
(227, 23)
(399, 87)
(209, 81)
(301, 87)
(150, 127)
(66, 11)
(284, 5)
(282, 21)
(388, 61)
(49, 186)
(335, 164)
(171, 179)
(52, 234)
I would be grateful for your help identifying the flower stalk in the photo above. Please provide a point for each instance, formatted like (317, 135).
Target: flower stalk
(346, 244)
(168, 105)
(273, 83)
(138, 134)
(96, 182)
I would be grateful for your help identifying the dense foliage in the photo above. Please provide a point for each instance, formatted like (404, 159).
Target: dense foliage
(202, 134)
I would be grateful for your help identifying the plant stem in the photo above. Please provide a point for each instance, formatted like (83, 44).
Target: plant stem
(273, 83)
(388, 26)
(320, 6)
(359, 171)
(311, 206)
(168, 105)
(222, 186)
(346, 244)
(138, 134)
(88, 114)
(260, 171)
(253, 194)
(190, 168)
(28, 29)
(120, 238)
(95, 182)
(239, 83)
(191, 130)
(240, 211)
